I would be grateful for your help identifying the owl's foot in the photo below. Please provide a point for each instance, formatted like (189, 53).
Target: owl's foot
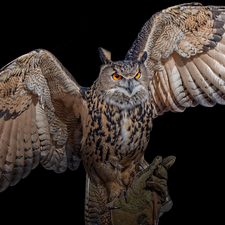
(130, 173)
(115, 190)
(137, 169)
(110, 206)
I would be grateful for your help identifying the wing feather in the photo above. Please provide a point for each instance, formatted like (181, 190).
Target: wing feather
(28, 152)
(215, 66)
(211, 79)
(159, 97)
(185, 45)
(186, 82)
(171, 102)
(217, 56)
(215, 71)
(201, 94)
(19, 162)
(163, 87)
(35, 141)
(5, 151)
(37, 117)
(176, 83)
(11, 155)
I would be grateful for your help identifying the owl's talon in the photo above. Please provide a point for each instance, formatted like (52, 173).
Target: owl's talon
(112, 207)
(125, 195)
(140, 167)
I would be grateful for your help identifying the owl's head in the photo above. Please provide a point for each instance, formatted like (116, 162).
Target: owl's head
(125, 83)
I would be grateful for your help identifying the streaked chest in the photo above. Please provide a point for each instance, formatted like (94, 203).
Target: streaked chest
(112, 132)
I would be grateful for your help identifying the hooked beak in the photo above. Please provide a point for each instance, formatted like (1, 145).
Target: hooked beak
(130, 86)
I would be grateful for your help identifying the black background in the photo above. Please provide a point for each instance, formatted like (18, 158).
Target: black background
(73, 32)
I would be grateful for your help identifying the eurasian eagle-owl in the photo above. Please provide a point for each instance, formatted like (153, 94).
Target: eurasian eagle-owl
(177, 61)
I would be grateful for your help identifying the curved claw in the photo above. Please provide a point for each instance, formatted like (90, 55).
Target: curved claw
(112, 207)
(139, 167)
(125, 195)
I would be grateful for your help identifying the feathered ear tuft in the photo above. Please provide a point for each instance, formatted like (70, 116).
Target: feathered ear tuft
(105, 56)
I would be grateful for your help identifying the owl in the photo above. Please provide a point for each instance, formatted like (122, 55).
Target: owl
(176, 62)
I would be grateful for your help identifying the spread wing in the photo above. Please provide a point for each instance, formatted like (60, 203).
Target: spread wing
(39, 117)
(186, 56)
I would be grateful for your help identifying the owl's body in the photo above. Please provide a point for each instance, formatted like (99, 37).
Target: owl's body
(176, 62)
(114, 137)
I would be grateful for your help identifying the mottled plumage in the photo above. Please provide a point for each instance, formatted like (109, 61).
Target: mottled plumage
(177, 61)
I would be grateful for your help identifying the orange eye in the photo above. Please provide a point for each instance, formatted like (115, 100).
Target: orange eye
(116, 76)
(138, 76)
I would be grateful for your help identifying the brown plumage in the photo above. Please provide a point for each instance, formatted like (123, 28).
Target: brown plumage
(47, 118)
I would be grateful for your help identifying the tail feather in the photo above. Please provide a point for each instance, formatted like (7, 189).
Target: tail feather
(93, 203)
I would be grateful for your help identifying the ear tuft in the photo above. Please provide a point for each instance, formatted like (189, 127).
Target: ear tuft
(105, 56)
